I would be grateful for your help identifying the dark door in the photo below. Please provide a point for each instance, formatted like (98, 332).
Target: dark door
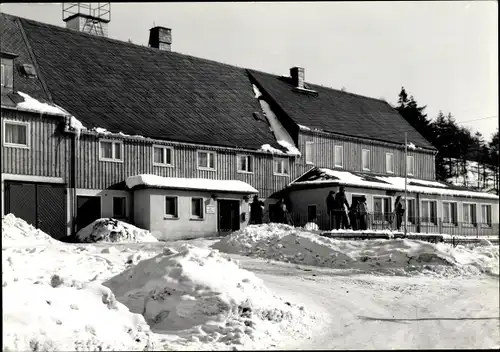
(41, 205)
(228, 215)
(88, 210)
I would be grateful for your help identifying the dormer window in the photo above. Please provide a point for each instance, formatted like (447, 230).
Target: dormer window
(7, 71)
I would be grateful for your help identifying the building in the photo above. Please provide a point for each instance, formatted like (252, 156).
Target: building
(83, 113)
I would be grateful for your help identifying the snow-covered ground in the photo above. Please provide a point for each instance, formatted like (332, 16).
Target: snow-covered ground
(184, 295)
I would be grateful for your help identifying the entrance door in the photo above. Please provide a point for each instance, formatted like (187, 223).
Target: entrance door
(88, 210)
(41, 205)
(228, 215)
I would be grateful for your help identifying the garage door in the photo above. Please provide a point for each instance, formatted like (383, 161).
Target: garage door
(41, 205)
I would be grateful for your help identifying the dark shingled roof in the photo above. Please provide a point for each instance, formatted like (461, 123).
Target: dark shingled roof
(340, 112)
(137, 90)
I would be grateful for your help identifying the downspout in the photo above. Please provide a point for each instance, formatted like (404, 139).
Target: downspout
(74, 146)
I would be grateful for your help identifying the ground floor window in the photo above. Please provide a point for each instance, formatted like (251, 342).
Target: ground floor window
(119, 207)
(469, 214)
(450, 213)
(197, 208)
(486, 214)
(382, 209)
(429, 212)
(171, 207)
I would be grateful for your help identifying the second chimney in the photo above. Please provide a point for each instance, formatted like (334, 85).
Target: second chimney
(160, 38)
(297, 74)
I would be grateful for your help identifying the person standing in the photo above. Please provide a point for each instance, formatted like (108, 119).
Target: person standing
(256, 211)
(362, 213)
(353, 215)
(341, 216)
(330, 208)
(399, 210)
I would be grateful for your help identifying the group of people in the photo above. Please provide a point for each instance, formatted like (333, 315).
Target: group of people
(280, 214)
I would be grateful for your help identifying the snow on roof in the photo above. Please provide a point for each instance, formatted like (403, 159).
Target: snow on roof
(392, 183)
(32, 104)
(149, 180)
(305, 128)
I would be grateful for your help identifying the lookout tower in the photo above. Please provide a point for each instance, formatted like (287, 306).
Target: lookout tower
(88, 17)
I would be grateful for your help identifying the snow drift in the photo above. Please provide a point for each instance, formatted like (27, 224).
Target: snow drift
(112, 230)
(202, 296)
(16, 231)
(286, 243)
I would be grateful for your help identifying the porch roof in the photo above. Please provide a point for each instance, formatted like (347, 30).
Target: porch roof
(203, 184)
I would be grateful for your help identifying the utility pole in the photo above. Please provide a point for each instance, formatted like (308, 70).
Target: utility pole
(406, 181)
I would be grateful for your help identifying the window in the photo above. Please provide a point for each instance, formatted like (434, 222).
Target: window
(389, 163)
(245, 163)
(486, 214)
(410, 165)
(365, 162)
(16, 134)
(197, 208)
(429, 211)
(206, 160)
(7, 74)
(450, 213)
(382, 208)
(412, 215)
(171, 207)
(309, 152)
(339, 156)
(162, 156)
(469, 214)
(280, 166)
(119, 207)
(110, 151)
(311, 213)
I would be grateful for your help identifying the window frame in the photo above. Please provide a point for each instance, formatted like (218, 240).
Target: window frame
(363, 159)
(176, 203)
(486, 223)
(335, 163)
(18, 123)
(238, 163)
(2, 73)
(195, 217)
(449, 223)
(422, 210)
(164, 148)
(385, 213)
(112, 159)
(473, 215)
(392, 163)
(125, 210)
(282, 160)
(206, 168)
(311, 161)
(412, 158)
(315, 212)
(412, 220)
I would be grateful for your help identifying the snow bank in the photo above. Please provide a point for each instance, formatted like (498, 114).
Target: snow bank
(285, 243)
(202, 297)
(112, 230)
(16, 231)
(69, 318)
(235, 186)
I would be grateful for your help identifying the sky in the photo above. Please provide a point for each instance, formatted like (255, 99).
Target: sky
(445, 53)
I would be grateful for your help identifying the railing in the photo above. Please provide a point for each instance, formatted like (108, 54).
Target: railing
(381, 221)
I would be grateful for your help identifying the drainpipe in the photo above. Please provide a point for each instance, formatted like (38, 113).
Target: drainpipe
(74, 146)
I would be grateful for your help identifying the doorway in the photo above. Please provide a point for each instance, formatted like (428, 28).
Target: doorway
(88, 210)
(228, 219)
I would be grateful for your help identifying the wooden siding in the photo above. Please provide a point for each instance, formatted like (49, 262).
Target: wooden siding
(138, 159)
(324, 155)
(49, 151)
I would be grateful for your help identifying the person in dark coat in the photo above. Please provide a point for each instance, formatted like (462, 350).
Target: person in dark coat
(256, 210)
(341, 216)
(353, 218)
(362, 213)
(330, 208)
(283, 211)
(399, 210)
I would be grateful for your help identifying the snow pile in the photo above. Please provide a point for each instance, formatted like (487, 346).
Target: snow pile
(311, 226)
(16, 231)
(112, 230)
(235, 186)
(286, 243)
(202, 297)
(32, 104)
(55, 317)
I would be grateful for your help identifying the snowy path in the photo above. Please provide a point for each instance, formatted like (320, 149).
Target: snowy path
(372, 312)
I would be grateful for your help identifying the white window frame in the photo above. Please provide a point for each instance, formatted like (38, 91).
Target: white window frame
(412, 158)
(473, 222)
(484, 222)
(112, 159)
(194, 217)
(363, 159)
(406, 210)
(113, 206)
(164, 148)
(170, 216)
(283, 160)
(384, 212)
(206, 168)
(422, 210)
(448, 223)
(238, 163)
(28, 134)
(387, 164)
(336, 163)
(316, 211)
(2, 73)
(310, 158)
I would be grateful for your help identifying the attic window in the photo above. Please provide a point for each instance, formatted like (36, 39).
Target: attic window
(28, 70)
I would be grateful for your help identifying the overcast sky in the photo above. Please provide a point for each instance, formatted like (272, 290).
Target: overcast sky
(444, 53)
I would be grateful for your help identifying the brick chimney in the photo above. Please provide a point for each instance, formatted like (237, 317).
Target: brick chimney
(160, 38)
(297, 74)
